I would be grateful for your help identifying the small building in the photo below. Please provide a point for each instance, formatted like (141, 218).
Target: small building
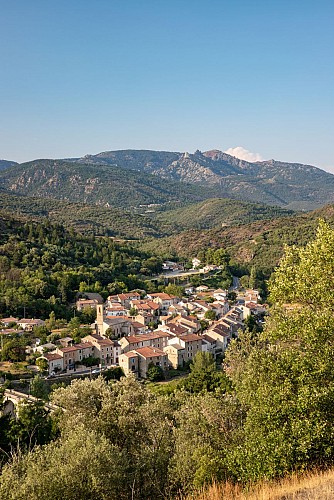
(55, 362)
(139, 360)
(29, 324)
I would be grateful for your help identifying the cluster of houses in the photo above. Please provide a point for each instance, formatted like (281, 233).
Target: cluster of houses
(158, 329)
(135, 330)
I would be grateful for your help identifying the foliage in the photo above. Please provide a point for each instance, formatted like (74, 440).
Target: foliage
(90, 361)
(176, 290)
(81, 465)
(114, 373)
(42, 364)
(155, 373)
(211, 315)
(13, 350)
(39, 388)
(43, 264)
(33, 426)
(284, 376)
(204, 375)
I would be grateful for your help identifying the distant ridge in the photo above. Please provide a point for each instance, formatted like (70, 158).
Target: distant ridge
(129, 178)
(292, 185)
(6, 164)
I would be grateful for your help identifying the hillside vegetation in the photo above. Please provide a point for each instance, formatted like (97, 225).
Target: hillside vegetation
(291, 185)
(266, 415)
(259, 244)
(84, 218)
(43, 266)
(95, 184)
(130, 224)
(131, 178)
(218, 212)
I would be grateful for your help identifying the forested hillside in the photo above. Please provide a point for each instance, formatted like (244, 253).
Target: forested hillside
(43, 265)
(259, 244)
(96, 184)
(218, 212)
(84, 218)
(131, 178)
(130, 224)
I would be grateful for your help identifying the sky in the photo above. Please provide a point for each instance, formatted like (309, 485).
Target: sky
(252, 77)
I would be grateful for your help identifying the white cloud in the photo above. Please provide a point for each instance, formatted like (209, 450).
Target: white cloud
(243, 154)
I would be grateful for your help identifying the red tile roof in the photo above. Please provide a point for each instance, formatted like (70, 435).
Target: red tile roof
(150, 352)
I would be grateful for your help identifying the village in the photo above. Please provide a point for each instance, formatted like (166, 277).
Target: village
(137, 330)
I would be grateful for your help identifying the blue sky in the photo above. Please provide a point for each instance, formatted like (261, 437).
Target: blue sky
(84, 76)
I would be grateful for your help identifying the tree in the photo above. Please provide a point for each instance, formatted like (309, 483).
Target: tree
(284, 376)
(155, 373)
(13, 350)
(244, 281)
(51, 322)
(204, 432)
(42, 364)
(204, 375)
(211, 315)
(39, 388)
(133, 311)
(32, 426)
(57, 470)
(115, 373)
(253, 278)
(133, 420)
(176, 290)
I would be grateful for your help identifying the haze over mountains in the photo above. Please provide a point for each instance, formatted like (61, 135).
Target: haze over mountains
(129, 178)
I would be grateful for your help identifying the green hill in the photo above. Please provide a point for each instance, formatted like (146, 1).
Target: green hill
(121, 223)
(96, 184)
(258, 244)
(219, 212)
(86, 219)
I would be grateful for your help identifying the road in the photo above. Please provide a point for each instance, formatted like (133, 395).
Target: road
(236, 283)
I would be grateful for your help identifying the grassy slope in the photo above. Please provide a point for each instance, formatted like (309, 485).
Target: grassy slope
(311, 486)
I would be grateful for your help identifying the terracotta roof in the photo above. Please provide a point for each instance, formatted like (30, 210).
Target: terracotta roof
(177, 329)
(130, 354)
(190, 337)
(208, 338)
(8, 320)
(150, 352)
(84, 345)
(162, 296)
(68, 349)
(52, 357)
(134, 339)
(136, 324)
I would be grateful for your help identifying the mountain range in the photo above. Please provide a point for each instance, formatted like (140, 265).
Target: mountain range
(130, 178)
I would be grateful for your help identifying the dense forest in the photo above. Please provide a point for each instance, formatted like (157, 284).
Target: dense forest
(268, 413)
(144, 222)
(43, 266)
(259, 244)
